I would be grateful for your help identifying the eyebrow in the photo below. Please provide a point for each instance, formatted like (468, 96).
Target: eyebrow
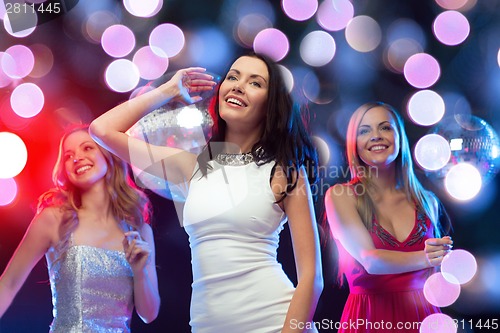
(383, 122)
(252, 76)
(84, 142)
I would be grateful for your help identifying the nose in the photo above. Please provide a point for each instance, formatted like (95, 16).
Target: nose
(77, 158)
(237, 88)
(375, 138)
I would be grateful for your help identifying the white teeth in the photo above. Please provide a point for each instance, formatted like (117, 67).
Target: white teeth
(378, 148)
(82, 169)
(234, 101)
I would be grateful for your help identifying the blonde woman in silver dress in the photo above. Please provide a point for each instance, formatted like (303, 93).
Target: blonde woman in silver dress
(92, 228)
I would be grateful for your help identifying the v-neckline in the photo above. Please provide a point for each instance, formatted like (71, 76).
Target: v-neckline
(415, 223)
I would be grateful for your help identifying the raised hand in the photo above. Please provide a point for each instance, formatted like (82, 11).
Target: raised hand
(188, 81)
(436, 249)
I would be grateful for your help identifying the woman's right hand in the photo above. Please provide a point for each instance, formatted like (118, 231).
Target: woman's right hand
(187, 81)
(436, 249)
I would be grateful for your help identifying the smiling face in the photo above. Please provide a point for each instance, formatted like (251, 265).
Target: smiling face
(84, 163)
(243, 93)
(377, 138)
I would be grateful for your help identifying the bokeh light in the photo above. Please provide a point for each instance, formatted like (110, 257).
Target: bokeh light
(5, 80)
(334, 15)
(13, 155)
(271, 42)
(150, 65)
(432, 152)
(460, 264)
(44, 60)
(463, 181)
(398, 53)
(439, 291)
(249, 26)
(451, 4)
(167, 37)
(426, 107)
(20, 63)
(97, 23)
(438, 323)
(363, 33)
(422, 70)
(287, 77)
(122, 75)
(318, 88)
(451, 27)
(118, 41)
(317, 48)
(27, 100)
(8, 191)
(406, 29)
(323, 150)
(299, 10)
(143, 8)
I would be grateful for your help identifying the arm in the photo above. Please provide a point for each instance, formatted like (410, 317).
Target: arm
(109, 129)
(348, 228)
(140, 253)
(300, 212)
(35, 243)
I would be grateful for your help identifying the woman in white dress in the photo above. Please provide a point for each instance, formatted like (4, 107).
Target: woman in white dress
(252, 177)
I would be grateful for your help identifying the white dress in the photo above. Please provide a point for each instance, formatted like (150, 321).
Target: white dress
(233, 224)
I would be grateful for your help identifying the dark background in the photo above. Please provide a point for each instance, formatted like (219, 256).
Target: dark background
(75, 91)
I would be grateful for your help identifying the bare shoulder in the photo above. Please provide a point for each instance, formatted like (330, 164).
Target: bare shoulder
(340, 194)
(49, 217)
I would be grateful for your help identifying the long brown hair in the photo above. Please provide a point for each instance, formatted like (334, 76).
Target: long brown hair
(128, 203)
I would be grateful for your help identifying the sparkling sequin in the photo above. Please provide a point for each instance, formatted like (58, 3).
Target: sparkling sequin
(234, 159)
(92, 291)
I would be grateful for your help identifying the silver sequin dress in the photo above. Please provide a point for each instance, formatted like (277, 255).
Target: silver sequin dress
(92, 291)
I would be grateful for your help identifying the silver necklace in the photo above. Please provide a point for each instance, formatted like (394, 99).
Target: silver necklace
(234, 159)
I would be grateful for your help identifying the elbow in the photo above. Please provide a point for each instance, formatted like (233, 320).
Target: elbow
(151, 315)
(370, 263)
(97, 131)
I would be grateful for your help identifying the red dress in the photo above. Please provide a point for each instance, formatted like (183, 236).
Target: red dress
(390, 302)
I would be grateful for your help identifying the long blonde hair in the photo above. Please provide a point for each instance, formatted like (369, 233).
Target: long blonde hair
(128, 203)
(406, 179)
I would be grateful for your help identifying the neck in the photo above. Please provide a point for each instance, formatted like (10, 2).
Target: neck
(240, 142)
(384, 179)
(95, 201)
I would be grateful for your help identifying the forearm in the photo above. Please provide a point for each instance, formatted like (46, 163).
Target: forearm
(6, 297)
(146, 297)
(379, 261)
(303, 304)
(123, 116)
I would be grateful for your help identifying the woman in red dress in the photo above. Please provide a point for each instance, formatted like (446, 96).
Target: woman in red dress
(386, 227)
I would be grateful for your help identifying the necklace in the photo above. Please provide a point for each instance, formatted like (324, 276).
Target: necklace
(234, 159)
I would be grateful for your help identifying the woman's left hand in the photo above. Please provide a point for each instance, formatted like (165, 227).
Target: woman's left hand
(137, 251)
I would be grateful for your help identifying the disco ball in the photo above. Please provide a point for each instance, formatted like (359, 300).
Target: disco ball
(173, 125)
(473, 141)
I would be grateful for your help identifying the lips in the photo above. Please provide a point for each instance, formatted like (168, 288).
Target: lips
(378, 148)
(82, 169)
(236, 101)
